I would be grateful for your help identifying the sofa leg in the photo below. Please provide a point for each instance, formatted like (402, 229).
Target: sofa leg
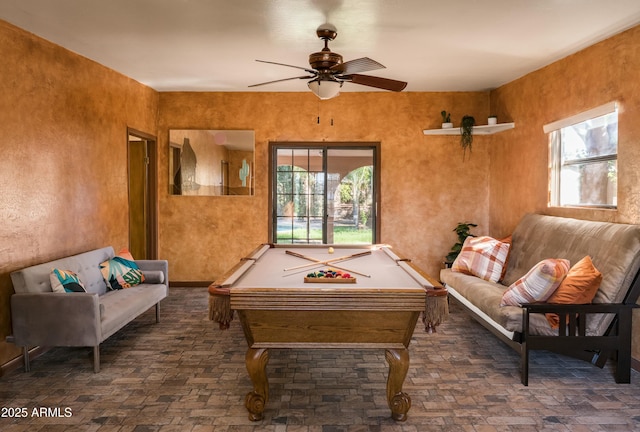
(25, 356)
(158, 312)
(96, 359)
(524, 364)
(623, 368)
(623, 354)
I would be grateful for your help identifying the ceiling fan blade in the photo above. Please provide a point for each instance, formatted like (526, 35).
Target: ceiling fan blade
(311, 71)
(374, 81)
(363, 64)
(284, 79)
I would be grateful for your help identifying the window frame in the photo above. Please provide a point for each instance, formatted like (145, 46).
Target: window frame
(374, 145)
(555, 155)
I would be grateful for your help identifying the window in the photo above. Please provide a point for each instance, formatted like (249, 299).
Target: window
(324, 194)
(584, 159)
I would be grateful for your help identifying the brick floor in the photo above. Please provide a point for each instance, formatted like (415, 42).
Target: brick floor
(184, 374)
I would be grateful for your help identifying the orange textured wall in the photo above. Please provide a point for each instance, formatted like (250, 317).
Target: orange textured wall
(64, 156)
(64, 175)
(426, 186)
(605, 72)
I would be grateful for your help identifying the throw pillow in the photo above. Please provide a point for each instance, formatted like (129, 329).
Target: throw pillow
(538, 284)
(65, 281)
(121, 271)
(509, 241)
(483, 257)
(153, 276)
(579, 287)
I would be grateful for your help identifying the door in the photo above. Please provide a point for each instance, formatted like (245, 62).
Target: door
(324, 194)
(142, 195)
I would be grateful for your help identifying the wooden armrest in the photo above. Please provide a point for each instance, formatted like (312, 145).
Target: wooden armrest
(572, 317)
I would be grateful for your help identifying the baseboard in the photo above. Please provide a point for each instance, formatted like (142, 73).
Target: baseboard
(189, 284)
(18, 362)
(635, 364)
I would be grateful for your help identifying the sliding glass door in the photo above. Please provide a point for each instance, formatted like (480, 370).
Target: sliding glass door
(324, 194)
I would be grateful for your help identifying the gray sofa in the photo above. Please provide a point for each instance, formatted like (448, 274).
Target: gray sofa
(44, 318)
(600, 329)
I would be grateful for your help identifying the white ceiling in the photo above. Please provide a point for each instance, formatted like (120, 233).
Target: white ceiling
(212, 45)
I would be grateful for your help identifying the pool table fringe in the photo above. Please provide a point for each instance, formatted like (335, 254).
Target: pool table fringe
(220, 310)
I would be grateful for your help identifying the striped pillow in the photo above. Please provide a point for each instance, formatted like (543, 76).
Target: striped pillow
(483, 257)
(538, 284)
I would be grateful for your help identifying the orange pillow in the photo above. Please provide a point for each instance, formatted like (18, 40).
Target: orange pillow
(579, 287)
(509, 241)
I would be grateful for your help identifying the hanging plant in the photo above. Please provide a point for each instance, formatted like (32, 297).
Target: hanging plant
(466, 132)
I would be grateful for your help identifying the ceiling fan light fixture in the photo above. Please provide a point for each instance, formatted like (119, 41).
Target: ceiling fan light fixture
(328, 70)
(325, 89)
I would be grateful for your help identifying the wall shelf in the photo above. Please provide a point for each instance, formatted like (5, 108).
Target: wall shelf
(477, 130)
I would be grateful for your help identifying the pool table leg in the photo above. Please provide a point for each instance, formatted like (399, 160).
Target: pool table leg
(398, 401)
(256, 361)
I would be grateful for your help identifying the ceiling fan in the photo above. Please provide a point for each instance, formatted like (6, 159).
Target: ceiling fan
(328, 72)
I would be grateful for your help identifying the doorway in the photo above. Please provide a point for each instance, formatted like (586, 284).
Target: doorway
(324, 193)
(142, 177)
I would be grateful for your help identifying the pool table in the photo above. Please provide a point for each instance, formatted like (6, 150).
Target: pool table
(278, 309)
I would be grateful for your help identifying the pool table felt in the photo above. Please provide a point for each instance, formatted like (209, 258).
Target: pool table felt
(269, 270)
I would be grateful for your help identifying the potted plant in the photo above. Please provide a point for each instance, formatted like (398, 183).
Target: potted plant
(446, 120)
(493, 119)
(466, 132)
(462, 230)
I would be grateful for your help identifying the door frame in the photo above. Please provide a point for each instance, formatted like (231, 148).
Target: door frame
(375, 145)
(151, 189)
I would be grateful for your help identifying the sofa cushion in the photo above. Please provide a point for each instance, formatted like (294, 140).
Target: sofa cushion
(65, 281)
(538, 284)
(486, 297)
(483, 257)
(121, 271)
(37, 279)
(613, 248)
(579, 287)
(119, 307)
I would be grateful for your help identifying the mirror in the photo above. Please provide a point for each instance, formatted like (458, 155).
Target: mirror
(211, 162)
